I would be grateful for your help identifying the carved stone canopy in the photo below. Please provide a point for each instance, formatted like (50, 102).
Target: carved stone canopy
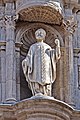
(40, 11)
(41, 14)
(27, 37)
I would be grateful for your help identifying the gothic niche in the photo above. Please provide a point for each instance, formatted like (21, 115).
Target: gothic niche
(27, 38)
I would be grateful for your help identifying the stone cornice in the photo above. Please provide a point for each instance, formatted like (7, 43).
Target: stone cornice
(76, 50)
(2, 43)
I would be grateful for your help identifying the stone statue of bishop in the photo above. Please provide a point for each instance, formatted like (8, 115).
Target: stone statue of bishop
(39, 66)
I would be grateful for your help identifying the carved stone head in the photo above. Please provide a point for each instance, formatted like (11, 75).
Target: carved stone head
(40, 35)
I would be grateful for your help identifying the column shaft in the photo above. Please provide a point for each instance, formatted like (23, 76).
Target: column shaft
(3, 73)
(10, 54)
(69, 52)
(2, 56)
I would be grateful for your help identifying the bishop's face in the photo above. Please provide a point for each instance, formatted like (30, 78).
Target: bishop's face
(40, 35)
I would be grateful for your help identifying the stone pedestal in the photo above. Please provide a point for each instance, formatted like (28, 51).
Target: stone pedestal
(38, 108)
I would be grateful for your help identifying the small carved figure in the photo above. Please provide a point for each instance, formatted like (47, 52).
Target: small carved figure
(39, 66)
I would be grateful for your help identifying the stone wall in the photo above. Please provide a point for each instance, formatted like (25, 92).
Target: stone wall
(18, 21)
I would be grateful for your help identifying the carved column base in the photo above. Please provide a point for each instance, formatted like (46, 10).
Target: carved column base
(11, 100)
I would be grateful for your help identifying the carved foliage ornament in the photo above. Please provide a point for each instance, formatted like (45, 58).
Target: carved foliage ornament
(8, 20)
(70, 25)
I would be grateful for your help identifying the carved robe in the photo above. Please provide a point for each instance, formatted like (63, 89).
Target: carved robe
(40, 64)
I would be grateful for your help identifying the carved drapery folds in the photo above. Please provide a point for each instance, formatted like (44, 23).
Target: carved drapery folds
(42, 11)
(25, 36)
(58, 18)
(46, 12)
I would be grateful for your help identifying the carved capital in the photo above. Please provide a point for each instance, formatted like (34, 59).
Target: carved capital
(70, 25)
(10, 20)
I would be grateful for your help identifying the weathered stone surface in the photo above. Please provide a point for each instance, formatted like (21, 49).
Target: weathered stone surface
(10, 53)
(57, 23)
(43, 108)
(42, 8)
(39, 66)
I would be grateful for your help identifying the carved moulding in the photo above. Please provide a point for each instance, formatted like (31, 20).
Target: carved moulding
(26, 36)
(39, 11)
(39, 109)
(43, 108)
